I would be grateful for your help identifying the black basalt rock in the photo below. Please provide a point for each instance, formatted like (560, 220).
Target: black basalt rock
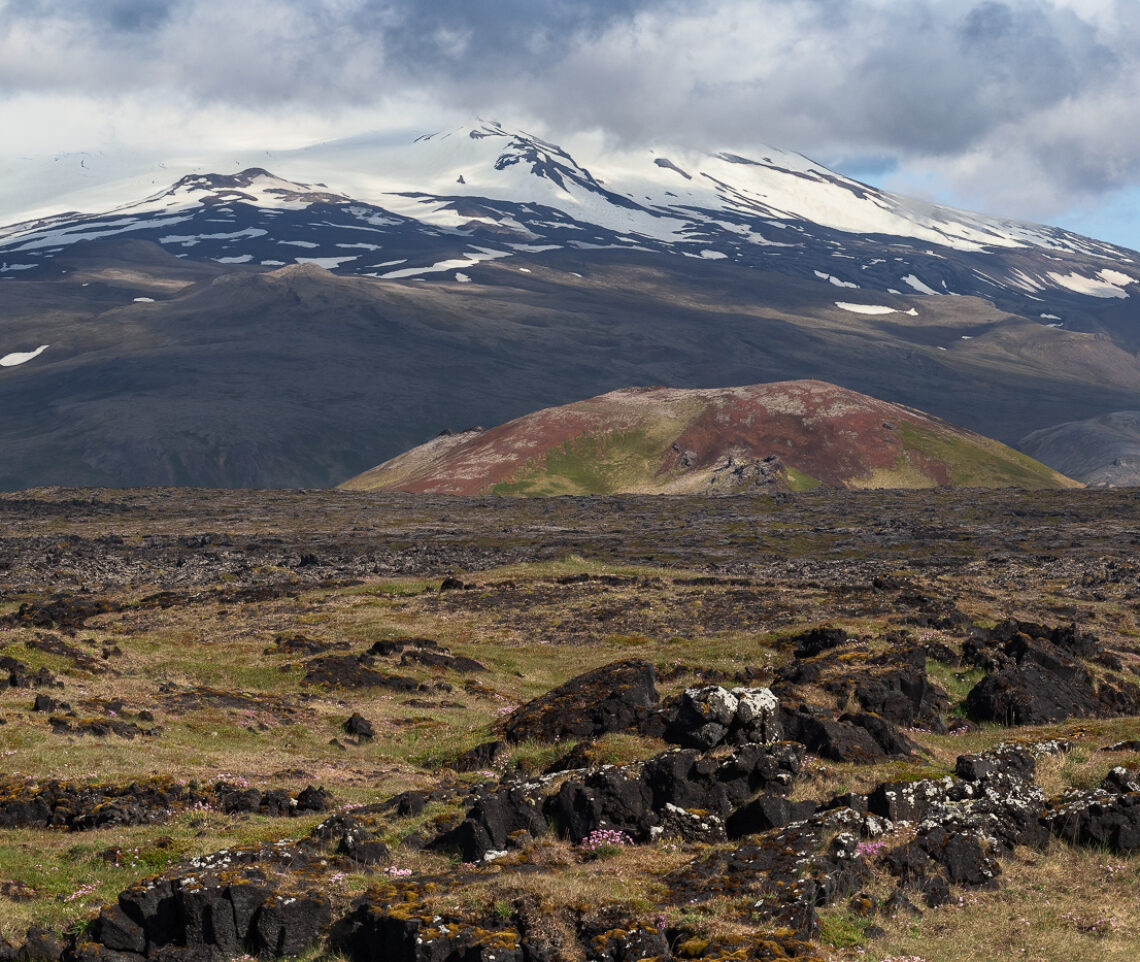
(493, 822)
(617, 697)
(359, 726)
(818, 640)
(1029, 694)
(766, 812)
(1097, 818)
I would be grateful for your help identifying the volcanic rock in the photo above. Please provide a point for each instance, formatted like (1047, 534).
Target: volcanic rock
(617, 697)
(703, 718)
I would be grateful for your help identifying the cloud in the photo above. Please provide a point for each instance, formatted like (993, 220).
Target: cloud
(1020, 106)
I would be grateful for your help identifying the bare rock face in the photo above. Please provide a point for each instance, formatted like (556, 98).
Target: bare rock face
(785, 872)
(1107, 817)
(1036, 677)
(860, 737)
(499, 819)
(232, 900)
(82, 807)
(650, 800)
(703, 718)
(617, 697)
(739, 474)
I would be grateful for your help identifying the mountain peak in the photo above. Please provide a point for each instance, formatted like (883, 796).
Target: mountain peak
(254, 185)
(451, 200)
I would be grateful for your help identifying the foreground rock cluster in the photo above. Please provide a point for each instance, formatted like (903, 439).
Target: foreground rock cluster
(782, 859)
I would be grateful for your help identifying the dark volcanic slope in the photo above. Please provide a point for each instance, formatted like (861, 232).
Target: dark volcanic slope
(1102, 451)
(161, 370)
(790, 435)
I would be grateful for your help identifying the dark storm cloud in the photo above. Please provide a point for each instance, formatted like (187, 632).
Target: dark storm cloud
(430, 39)
(1044, 86)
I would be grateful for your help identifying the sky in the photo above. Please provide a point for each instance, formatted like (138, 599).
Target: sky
(1028, 109)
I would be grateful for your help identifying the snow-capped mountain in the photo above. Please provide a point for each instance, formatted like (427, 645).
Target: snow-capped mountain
(294, 320)
(448, 201)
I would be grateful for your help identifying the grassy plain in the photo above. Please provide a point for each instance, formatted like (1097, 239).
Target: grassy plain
(205, 585)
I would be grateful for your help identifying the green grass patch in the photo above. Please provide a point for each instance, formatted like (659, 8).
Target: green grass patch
(979, 462)
(592, 464)
(958, 682)
(842, 930)
(801, 480)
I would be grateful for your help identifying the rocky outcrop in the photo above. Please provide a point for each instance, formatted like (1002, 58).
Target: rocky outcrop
(1107, 817)
(80, 807)
(20, 675)
(899, 690)
(394, 925)
(231, 903)
(815, 641)
(1036, 676)
(66, 612)
(616, 697)
(767, 812)
(790, 858)
(680, 793)
(506, 817)
(703, 718)
(354, 671)
(892, 684)
(862, 737)
(785, 873)
(637, 799)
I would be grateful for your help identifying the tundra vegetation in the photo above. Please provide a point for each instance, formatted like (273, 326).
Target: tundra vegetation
(830, 725)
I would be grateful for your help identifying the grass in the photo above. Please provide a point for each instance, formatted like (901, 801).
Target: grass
(980, 462)
(801, 480)
(71, 874)
(284, 738)
(1054, 906)
(534, 632)
(840, 929)
(957, 682)
(594, 464)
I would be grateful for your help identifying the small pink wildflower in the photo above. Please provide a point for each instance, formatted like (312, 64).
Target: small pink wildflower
(82, 892)
(601, 839)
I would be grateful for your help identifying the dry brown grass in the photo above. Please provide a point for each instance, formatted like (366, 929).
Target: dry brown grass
(1054, 906)
(221, 645)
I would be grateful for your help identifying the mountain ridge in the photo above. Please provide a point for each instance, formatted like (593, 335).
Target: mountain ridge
(491, 177)
(451, 295)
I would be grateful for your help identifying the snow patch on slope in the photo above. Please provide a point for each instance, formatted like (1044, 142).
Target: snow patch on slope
(918, 285)
(1106, 283)
(22, 357)
(831, 278)
(873, 309)
(448, 265)
(328, 263)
